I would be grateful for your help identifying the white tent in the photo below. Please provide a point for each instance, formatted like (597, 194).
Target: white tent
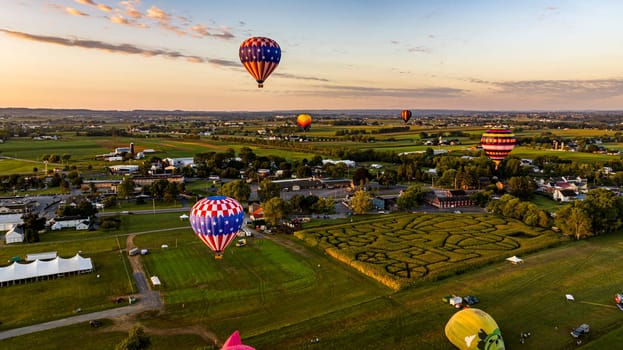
(155, 280)
(183, 216)
(515, 260)
(41, 256)
(40, 268)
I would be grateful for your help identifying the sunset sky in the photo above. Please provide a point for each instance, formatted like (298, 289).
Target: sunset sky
(338, 54)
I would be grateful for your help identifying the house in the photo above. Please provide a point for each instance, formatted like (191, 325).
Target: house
(14, 235)
(7, 221)
(79, 223)
(564, 195)
(448, 199)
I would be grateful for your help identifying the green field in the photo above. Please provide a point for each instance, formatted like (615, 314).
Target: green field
(403, 249)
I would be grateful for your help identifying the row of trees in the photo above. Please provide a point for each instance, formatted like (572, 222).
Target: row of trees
(599, 213)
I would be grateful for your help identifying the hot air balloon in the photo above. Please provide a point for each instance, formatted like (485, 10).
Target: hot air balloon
(304, 121)
(474, 329)
(260, 56)
(497, 144)
(235, 343)
(216, 221)
(406, 115)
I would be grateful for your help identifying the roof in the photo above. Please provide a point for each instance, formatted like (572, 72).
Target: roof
(41, 256)
(38, 268)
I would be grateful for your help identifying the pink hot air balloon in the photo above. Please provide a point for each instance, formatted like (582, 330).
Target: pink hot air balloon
(235, 343)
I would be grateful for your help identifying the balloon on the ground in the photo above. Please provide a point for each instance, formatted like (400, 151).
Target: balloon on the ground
(216, 221)
(474, 329)
(260, 56)
(406, 115)
(304, 121)
(497, 144)
(235, 343)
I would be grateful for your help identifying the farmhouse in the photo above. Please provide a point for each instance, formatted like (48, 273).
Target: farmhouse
(565, 195)
(17, 273)
(448, 199)
(14, 235)
(77, 222)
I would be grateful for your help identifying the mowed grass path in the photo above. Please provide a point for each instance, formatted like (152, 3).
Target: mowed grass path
(401, 249)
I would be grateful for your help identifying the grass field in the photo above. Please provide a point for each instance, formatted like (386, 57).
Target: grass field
(283, 297)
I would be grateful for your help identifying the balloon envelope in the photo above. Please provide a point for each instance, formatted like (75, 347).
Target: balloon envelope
(260, 56)
(497, 144)
(304, 121)
(406, 115)
(235, 343)
(474, 329)
(216, 221)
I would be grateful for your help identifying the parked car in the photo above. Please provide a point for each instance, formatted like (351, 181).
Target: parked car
(470, 300)
(578, 332)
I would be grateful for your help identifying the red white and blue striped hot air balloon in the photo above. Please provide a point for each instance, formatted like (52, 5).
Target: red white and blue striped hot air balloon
(497, 144)
(216, 221)
(260, 56)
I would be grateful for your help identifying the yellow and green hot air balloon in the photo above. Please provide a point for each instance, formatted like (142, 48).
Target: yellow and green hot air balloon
(474, 329)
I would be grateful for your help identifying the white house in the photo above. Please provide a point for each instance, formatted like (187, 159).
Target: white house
(565, 195)
(14, 235)
(9, 220)
(181, 162)
(70, 222)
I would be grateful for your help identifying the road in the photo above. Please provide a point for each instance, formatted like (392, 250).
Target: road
(147, 299)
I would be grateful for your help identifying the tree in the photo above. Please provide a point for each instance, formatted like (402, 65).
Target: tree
(268, 190)
(126, 188)
(32, 225)
(361, 177)
(136, 340)
(522, 187)
(237, 189)
(602, 206)
(275, 209)
(388, 178)
(361, 202)
(410, 198)
(573, 221)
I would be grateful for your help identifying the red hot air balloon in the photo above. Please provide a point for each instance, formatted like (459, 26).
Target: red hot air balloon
(406, 115)
(216, 221)
(260, 56)
(497, 144)
(304, 121)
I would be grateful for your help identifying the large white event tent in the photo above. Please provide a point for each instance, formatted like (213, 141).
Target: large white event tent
(17, 273)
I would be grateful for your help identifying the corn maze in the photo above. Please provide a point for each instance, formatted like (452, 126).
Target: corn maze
(401, 249)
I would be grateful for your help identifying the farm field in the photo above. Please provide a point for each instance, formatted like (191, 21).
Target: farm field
(400, 250)
(527, 297)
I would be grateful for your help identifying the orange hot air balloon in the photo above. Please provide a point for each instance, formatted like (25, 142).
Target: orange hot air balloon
(406, 115)
(497, 144)
(304, 121)
(260, 56)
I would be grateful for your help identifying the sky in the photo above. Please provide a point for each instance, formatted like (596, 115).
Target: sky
(336, 54)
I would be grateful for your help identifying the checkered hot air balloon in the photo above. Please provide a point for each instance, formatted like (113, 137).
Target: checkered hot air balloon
(216, 221)
(260, 56)
(406, 115)
(497, 144)
(304, 121)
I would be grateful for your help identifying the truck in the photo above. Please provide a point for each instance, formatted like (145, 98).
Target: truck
(134, 251)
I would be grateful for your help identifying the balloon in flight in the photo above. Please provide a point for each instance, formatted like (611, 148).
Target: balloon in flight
(235, 343)
(216, 221)
(497, 144)
(260, 56)
(304, 121)
(406, 115)
(474, 329)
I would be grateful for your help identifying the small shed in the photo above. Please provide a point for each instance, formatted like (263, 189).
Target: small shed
(14, 235)
(155, 281)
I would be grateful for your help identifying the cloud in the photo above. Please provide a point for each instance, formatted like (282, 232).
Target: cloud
(579, 89)
(86, 2)
(394, 42)
(201, 30)
(72, 11)
(118, 48)
(104, 8)
(298, 77)
(552, 8)
(157, 13)
(367, 91)
(129, 9)
(420, 49)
